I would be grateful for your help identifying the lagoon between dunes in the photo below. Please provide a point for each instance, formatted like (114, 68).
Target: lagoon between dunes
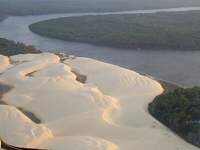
(80, 104)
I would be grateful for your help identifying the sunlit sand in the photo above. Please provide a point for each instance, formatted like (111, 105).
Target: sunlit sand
(107, 112)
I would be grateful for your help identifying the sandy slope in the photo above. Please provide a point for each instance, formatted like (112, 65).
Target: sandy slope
(108, 112)
(4, 63)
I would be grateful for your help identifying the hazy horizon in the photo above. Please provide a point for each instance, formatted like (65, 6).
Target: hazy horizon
(27, 7)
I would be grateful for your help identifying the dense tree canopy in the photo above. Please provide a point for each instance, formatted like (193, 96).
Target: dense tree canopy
(148, 31)
(180, 111)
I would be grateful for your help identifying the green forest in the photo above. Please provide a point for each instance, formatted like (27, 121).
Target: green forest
(180, 111)
(178, 30)
(9, 48)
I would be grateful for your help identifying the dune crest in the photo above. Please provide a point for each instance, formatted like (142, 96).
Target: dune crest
(108, 111)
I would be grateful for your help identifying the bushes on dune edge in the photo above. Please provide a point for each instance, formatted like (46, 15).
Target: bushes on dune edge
(180, 111)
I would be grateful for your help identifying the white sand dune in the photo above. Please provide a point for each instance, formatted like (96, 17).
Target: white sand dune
(4, 63)
(108, 112)
(17, 129)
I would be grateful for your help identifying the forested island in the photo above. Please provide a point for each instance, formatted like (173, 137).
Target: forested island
(180, 111)
(8, 48)
(174, 30)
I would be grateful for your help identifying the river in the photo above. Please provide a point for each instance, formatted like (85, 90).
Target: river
(181, 67)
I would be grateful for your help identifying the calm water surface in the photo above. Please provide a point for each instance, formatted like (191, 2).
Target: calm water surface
(176, 66)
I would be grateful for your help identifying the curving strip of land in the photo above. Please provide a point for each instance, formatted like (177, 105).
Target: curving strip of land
(108, 111)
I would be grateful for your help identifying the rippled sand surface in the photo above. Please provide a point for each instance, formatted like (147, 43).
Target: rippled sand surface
(107, 111)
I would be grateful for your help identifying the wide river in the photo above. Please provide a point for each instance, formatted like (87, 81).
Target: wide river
(182, 67)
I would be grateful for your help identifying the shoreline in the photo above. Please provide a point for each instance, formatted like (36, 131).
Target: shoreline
(168, 86)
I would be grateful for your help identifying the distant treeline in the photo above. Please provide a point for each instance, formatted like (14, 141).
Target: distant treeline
(178, 30)
(30, 7)
(9, 48)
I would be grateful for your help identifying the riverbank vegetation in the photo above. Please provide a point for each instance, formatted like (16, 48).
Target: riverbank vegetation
(9, 48)
(180, 111)
(168, 86)
(175, 30)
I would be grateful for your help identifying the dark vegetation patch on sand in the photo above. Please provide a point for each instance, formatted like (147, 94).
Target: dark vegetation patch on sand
(30, 115)
(2, 17)
(4, 88)
(79, 77)
(168, 86)
(179, 109)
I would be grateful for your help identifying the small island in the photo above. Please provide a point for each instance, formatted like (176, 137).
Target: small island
(172, 30)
